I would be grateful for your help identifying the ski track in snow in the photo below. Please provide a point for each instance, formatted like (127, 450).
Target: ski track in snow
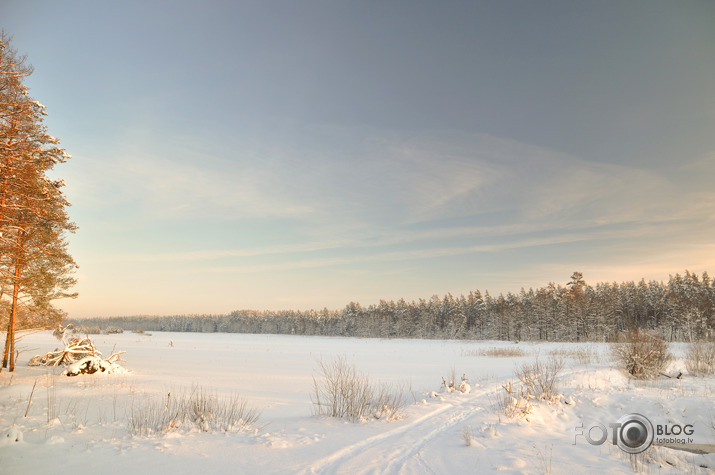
(388, 452)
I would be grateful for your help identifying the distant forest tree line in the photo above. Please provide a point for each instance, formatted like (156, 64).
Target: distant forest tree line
(682, 309)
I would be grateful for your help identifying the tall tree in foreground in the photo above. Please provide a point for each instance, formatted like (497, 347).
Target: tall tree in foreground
(35, 266)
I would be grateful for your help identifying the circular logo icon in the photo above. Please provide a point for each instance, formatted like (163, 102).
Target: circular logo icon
(635, 434)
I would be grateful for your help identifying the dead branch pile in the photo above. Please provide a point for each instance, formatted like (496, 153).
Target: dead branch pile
(80, 354)
(75, 349)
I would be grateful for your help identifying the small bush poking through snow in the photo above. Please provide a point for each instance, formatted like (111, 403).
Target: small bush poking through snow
(342, 391)
(538, 381)
(539, 377)
(643, 354)
(463, 387)
(514, 401)
(700, 358)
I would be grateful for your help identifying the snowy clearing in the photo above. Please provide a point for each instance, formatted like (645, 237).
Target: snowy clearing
(84, 423)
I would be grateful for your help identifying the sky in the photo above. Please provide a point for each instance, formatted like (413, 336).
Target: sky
(307, 154)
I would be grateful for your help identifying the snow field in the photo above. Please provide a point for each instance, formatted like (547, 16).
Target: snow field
(82, 422)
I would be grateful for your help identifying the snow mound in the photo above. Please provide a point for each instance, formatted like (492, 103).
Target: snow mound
(91, 365)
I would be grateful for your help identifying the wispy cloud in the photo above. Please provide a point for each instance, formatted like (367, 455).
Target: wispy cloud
(210, 255)
(450, 195)
(433, 252)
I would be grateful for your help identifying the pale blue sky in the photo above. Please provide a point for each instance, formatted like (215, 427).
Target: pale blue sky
(304, 154)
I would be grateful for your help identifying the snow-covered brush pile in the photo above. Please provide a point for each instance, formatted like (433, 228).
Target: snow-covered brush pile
(93, 364)
(81, 357)
(75, 349)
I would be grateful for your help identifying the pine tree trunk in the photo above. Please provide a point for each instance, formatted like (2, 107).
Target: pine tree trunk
(7, 345)
(13, 313)
(10, 323)
(9, 353)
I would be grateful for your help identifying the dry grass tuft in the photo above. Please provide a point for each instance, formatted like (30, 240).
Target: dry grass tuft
(497, 352)
(199, 410)
(582, 354)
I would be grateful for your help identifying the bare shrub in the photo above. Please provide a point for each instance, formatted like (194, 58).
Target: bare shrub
(342, 391)
(538, 381)
(199, 410)
(389, 402)
(643, 354)
(539, 377)
(700, 358)
(113, 330)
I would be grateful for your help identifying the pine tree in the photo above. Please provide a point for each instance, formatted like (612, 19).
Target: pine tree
(34, 261)
(578, 300)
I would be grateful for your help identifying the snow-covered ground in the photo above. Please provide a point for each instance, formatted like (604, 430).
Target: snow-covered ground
(80, 424)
